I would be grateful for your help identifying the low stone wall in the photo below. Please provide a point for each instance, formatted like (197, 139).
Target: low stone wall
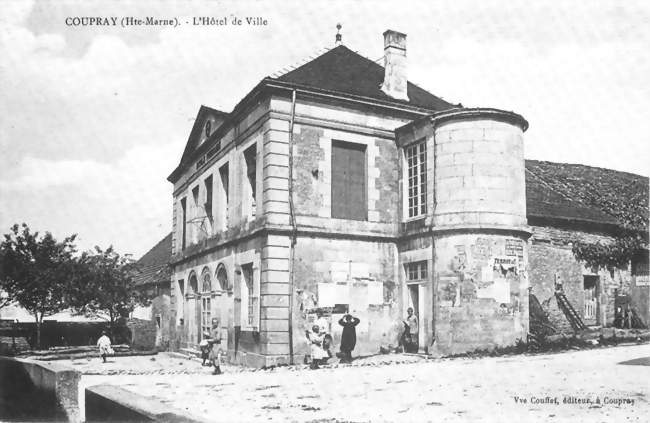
(108, 403)
(31, 390)
(143, 334)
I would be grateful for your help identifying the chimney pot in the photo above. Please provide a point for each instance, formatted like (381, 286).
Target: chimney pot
(395, 69)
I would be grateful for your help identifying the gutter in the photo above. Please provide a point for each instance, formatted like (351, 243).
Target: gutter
(434, 283)
(292, 220)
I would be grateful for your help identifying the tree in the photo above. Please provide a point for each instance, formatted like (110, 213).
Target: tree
(105, 283)
(36, 271)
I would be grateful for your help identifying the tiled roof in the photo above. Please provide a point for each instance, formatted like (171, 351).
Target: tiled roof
(586, 193)
(344, 71)
(154, 265)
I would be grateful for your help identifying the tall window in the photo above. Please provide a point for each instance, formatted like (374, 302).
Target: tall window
(208, 197)
(349, 200)
(184, 224)
(181, 301)
(416, 163)
(206, 317)
(250, 156)
(196, 212)
(223, 203)
(251, 299)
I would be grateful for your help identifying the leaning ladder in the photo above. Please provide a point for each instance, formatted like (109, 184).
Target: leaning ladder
(570, 312)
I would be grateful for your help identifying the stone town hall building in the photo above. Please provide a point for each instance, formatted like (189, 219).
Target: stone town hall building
(340, 185)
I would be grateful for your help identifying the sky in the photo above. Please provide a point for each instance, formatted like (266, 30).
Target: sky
(93, 119)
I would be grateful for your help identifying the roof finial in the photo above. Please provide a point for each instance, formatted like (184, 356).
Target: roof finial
(338, 35)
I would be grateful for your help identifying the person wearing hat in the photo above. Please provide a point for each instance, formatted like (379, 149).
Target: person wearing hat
(215, 341)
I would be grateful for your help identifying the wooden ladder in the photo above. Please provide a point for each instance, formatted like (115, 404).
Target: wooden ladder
(570, 312)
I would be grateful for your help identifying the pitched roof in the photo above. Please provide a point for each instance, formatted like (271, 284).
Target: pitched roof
(586, 193)
(204, 113)
(154, 265)
(344, 71)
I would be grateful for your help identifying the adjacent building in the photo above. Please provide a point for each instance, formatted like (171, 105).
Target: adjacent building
(340, 186)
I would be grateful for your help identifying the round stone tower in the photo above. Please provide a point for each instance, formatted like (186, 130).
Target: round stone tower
(478, 169)
(476, 216)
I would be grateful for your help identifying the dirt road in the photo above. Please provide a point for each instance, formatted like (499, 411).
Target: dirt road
(590, 386)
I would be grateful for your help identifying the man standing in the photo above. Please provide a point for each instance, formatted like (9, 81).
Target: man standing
(412, 331)
(216, 351)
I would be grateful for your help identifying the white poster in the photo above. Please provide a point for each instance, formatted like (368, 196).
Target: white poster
(375, 292)
(499, 291)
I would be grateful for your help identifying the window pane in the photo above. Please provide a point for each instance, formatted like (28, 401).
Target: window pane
(417, 177)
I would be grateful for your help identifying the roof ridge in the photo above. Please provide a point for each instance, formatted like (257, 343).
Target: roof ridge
(156, 246)
(590, 167)
(297, 64)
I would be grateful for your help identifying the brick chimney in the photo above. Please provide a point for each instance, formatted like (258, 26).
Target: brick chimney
(395, 76)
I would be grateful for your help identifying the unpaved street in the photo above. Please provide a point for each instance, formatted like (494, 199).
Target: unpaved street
(525, 388)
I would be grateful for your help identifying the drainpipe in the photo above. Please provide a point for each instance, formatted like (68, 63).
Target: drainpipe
(292, 220)
(434, 283)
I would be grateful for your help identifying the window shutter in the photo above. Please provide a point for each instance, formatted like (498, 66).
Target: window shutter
(349, 200)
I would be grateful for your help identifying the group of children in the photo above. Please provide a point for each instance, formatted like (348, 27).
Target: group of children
(320, 340)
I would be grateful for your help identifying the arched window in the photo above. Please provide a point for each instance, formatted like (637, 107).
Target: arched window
(193, 284)
(222, 277)
(206, 282)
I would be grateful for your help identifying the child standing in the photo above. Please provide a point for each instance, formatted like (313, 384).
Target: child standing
(104, 344)
(315, 339)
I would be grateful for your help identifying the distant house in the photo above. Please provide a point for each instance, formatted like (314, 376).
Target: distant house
(568, 202)
(154, 279)
(341, 186)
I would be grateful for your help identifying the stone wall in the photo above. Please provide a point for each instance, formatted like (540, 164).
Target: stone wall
(482, 291)
(552, 259)
(52, 386)
(342, 275)
(313, 167)
(109, 403)
(225, 300)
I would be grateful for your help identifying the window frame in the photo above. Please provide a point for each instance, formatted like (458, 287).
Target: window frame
(224, 178)
(416, 271)
(415, 171)
(183, 203)
(250, 163)
(249, 288)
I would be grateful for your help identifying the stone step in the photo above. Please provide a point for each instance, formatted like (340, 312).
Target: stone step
(190, 352)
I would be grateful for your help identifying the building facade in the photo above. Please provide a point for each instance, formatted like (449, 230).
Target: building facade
(340, 186)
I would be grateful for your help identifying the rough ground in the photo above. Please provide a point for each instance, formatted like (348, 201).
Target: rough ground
(423, 390)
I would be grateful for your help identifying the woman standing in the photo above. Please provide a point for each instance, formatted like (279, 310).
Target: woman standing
(348, 337)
